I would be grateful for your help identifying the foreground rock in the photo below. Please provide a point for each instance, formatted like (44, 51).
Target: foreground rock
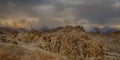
(15, 52)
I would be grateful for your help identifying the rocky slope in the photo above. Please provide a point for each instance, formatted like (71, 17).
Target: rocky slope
(71, 42)
(110, 43)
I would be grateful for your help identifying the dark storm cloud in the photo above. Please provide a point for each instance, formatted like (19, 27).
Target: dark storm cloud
(61, 12)
(96, 11)
(98, 14)
(18, 7)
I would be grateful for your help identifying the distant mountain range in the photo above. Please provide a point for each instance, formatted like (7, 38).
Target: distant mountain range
(105, 30)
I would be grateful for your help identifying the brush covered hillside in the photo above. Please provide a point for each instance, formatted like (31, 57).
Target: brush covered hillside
(62, 43)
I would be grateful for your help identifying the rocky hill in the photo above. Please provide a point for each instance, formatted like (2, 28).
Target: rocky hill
(71, 43)
(110, 43)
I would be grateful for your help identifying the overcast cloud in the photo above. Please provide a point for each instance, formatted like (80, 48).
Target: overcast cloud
(53, 13)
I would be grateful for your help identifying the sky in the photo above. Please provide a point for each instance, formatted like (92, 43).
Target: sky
(53, 13)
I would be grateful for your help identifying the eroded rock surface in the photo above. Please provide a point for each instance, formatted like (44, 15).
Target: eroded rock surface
(70, 42)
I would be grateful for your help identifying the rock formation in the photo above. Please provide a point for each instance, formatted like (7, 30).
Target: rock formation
(71, 42)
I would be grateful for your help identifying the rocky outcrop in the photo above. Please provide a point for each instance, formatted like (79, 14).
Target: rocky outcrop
(71, 42)
(110, 43)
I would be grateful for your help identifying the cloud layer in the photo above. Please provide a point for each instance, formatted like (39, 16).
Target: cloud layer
(53, 13)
